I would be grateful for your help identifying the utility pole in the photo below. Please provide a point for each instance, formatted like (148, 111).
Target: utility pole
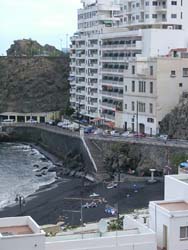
(137, 107)
(67, 37)
(118, 187)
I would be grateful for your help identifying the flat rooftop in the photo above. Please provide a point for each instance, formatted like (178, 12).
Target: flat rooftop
(15, 230)
(174, 206)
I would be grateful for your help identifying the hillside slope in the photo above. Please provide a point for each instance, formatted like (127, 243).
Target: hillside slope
(34, 83)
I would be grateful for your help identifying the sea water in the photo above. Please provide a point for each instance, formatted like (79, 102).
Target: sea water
(19, 166)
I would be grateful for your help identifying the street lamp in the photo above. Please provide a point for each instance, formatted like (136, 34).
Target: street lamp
(21, 201)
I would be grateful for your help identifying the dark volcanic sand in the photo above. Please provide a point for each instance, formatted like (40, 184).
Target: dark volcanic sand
(46, 206)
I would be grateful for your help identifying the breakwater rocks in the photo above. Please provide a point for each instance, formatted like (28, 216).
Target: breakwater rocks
(4, 137)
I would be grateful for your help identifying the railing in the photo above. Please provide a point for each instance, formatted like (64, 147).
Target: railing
(120, 95)
(113, 70)
(108, 58)
(112, 82)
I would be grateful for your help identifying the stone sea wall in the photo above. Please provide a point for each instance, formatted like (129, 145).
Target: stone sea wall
(61, 145)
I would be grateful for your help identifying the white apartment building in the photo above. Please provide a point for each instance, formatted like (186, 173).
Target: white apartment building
(20, 233)
(23, 233)
(127, 43)
(169, 218)
(85, 54)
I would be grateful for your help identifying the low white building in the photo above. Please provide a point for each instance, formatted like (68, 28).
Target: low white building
(176, 187)
(134, 236)
(21, 233)
(169, 219)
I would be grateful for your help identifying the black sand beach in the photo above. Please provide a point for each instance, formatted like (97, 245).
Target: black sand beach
(50, 204)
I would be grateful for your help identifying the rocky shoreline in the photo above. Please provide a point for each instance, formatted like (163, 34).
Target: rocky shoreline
(55, 202)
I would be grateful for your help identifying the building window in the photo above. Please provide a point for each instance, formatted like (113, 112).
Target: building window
(141, 107)
(151, 70)
(154, 3)
(173, 15)
(150, 120)
(151, 87)
(133, 69)
(173, 73)
(133, 86)
(125, 88)
(154, 16)
(184, 233)
(132, 106)
(173, 2)
(180, 84)
(142, 86)
(151, 108)
(125, 106)
(185, 72)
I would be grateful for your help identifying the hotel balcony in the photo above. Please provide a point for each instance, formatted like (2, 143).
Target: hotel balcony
(93, 46)
(80, 65)
(162, 8)
(80, 46)
(81, 84)
(80, 92)
(80, 74)
(113, 70)
(111, 82)
(93, 56)
(113, 58)
(112, 94)
(93, 95)
(93, 65)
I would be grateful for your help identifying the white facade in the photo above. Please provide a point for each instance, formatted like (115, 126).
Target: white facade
(133, 236)
(112, 37)
(151, 90)
(20, 233)
(169, 219)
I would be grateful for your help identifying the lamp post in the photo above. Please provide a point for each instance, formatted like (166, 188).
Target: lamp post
(137, 106)
(21, 201)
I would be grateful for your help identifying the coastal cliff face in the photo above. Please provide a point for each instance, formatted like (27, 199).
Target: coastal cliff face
(34, 83)
(175, 124)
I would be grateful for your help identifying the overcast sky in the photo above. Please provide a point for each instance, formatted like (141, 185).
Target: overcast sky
(47, 21)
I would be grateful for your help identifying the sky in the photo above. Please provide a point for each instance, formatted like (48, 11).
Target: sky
(47, 21)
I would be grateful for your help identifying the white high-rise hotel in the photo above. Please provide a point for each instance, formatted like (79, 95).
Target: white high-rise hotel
(128, 61)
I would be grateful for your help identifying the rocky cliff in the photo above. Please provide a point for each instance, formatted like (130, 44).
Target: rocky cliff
(175, 124)
(33, 83)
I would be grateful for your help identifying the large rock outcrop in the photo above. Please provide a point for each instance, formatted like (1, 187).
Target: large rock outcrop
(175, 124)
(33, 83)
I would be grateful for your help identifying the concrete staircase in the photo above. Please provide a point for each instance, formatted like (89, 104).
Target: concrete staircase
(98, 157)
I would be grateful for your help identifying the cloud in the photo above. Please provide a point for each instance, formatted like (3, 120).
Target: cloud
(37, 19)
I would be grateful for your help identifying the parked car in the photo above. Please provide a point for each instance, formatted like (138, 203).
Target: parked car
(60, 124)
(112, 185)
(98, 132)
(51, 122)
(8, 120)
(139, 135)
(115, 133)
(106, 132)
(74, 126)
(31, 121)
(163, 137)
(89, 130)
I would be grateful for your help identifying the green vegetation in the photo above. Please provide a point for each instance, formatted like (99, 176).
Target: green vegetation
(116, 224)
(177, 159)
